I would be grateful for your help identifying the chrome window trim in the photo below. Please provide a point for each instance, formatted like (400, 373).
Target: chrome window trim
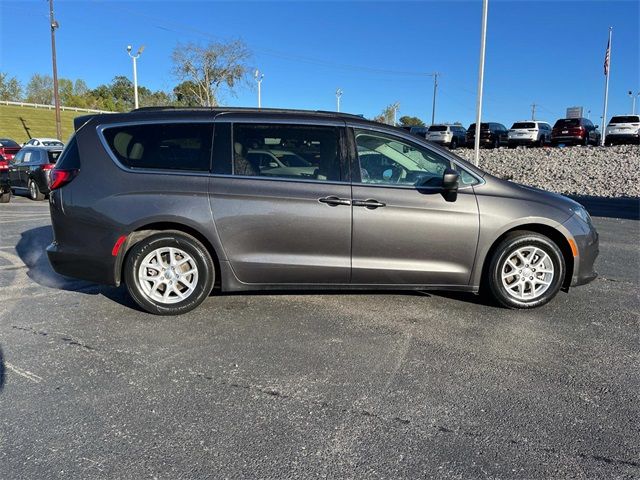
(355, 126)
(279, 179)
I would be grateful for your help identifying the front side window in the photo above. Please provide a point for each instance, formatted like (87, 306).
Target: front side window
(388, 160)
(301, 152)
(177, 146)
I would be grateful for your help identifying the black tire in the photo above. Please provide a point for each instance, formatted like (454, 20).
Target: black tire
(454, 144)
(586, 142)
(184, 242)
(5, 197)
(34, 192)
(496, 143)
(507, 247)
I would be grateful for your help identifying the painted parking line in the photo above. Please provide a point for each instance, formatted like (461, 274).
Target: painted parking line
(23, 373)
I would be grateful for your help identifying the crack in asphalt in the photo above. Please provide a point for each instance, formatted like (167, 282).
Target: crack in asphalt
(69, 340)
(399, 420)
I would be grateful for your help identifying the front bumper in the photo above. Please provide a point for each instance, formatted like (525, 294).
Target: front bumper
(587, 243)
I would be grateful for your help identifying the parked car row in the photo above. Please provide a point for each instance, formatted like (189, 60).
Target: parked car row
(566, 131)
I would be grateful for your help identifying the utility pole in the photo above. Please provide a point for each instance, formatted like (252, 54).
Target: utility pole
(338, 95)
(435, 89)
(533, 111)
(258, 75)
(135, 72)
(483, 44)
(56, 96)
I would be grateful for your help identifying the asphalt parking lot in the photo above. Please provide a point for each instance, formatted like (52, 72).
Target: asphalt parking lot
(360, 385)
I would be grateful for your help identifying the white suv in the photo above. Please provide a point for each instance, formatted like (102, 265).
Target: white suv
(623, 129)
(529, 132)
(450, 135)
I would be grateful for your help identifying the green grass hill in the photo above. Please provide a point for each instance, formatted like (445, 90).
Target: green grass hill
(22, 123)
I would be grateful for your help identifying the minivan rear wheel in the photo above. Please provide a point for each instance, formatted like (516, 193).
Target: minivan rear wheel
(526, 271)
(169, 273)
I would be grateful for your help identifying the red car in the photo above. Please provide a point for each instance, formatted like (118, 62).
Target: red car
(8, 148)
(575, 131)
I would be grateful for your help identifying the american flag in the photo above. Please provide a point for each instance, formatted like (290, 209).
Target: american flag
(607, 58)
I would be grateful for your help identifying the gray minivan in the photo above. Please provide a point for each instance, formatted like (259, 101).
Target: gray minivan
(175, 202)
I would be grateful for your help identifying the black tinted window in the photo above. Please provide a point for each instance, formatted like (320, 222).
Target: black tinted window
(70, 158)
(286, 151)
(7, 142)
(438, 128)
(523, 125)
(53, 155)
(568, 122)
(176, 146)
(618, 119)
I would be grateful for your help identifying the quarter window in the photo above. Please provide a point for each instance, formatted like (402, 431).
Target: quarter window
(177, 146)
(287, 151)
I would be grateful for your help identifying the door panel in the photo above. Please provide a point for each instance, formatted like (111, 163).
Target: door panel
(277, 231)
(416, 238)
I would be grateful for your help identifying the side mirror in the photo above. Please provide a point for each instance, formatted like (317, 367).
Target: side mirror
(450, 179)
(450, 185)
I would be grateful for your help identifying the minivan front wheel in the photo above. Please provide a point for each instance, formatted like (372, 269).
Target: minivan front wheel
(169, 273)
(527, 270)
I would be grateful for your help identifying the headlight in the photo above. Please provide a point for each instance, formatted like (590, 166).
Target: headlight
(582, 213)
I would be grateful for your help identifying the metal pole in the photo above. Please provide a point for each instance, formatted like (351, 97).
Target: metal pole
(533, 111)
(606, 88)
(435, 89)
(56, 97)
(338, 95)
(634, 105)
(135, 81)
(483, 42)
(259, 93)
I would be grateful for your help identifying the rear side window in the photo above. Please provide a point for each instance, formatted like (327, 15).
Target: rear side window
(70, 158)
(287, 151)
(177, 146)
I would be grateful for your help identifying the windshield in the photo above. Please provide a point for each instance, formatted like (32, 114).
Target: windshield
(523, 125)
(625, 119)
(438, 128)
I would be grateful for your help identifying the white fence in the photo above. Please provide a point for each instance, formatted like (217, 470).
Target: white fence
(52, 107)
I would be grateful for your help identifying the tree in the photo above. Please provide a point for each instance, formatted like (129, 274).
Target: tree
(40, 89)
(210, 69)
(10, 88)
(387, 115)
(408, 121)
(186, 95)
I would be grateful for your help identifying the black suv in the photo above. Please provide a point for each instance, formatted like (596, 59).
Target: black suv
(174, 201)
(30, 169)
(492, 135)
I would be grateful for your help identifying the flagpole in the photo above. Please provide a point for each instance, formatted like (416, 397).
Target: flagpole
(606, 88)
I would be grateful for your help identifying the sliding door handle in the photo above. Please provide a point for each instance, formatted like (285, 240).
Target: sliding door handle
(370, 204)
(335, 201)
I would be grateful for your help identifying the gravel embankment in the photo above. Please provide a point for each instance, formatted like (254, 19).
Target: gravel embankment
(611, 172)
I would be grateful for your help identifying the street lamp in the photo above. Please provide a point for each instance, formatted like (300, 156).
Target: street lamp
(483, 43)
(395, 107)
(259, 76)
(135, 72)
(338, 95)
(633, 101)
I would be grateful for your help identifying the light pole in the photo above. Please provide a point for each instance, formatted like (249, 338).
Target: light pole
(56, 97)
(435, 89)
(338, 95)
(135, 72)
(483, 43)
(533, 111)
(633, 101)
(258, 77)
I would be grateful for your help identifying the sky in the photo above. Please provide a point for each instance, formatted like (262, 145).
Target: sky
(550, 52)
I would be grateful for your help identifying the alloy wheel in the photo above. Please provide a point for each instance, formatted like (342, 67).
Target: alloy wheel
(527, 273)
(168, 275)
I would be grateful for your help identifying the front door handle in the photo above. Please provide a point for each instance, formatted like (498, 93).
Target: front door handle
(334, 201)
(369, 203)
